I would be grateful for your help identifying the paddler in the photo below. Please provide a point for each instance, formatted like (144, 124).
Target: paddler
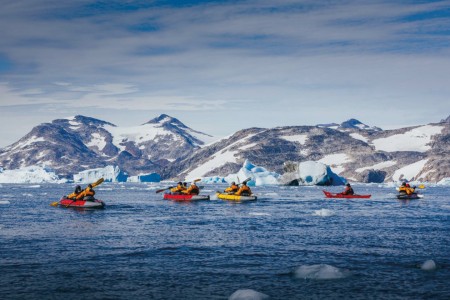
(244, 190)
(233, 188)
(192, 190)
(348, 190)
(405, 188)
(75, 193)
(178, 189)
(88, 193)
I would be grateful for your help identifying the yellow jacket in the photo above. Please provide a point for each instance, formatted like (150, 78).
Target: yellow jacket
(232, 189)
(192, 190)
(407, 190)
(87, 192)
(243, 189)
(178, 188)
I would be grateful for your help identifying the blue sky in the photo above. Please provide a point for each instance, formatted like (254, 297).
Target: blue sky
(221, 66)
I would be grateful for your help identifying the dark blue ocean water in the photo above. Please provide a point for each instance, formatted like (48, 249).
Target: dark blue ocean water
(143, 247)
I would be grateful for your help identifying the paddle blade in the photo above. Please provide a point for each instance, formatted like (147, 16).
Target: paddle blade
(98, 182)
(421, 186)
(54, 204)
(198, 179)
(162, 190)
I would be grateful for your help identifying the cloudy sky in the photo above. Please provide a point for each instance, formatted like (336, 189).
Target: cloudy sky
(220, 66)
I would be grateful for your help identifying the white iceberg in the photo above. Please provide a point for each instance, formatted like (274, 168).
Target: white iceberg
(151, 177)
(428, 265)
(32, 174)
(310, 173)
(259, 175)
(444, 181)
(321, 272)
(109, 173)
(248, 294)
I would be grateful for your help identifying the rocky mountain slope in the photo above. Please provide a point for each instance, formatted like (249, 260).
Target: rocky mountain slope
(352, 149)
(78, 143)
(165, 145)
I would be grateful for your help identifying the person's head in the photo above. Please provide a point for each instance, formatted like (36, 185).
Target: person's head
(407, 185)
(185, 183)
(180, 183)
(244, 183)
(78, 188)
(233, 183)
(403, 183)
(348, 184)
(90, 186)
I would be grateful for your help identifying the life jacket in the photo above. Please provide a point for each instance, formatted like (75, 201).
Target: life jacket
(192, 190)
(243, 190)
(87, 192)
(232, 189)
(178, 188)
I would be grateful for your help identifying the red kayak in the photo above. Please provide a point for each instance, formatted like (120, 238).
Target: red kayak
(183, 197)
(339, 195)
(64, 202)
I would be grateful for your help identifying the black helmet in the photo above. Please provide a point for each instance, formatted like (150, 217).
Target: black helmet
(348, 184)
(180, 183)
(233, 182)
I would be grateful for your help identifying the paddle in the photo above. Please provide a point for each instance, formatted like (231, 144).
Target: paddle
(97, 183)
(161, 190)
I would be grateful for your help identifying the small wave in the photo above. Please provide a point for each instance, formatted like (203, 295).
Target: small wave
(4, 202)
(321, 271)
(428, 265)
(34, 186)
(27, 194)
(259, 214)
(323, 212)
(272, 194)
(247, 294)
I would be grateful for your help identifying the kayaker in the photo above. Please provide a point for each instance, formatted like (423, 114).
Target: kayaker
(405, 188)
(244, 190)
(348, 190)
(75, 193)
(233, 188)
(192, 190)
(87, 194)
(178, 189)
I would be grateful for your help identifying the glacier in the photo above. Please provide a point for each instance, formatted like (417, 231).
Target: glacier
(151, 177)
(109, 173)
(310, 173)
(32, 174)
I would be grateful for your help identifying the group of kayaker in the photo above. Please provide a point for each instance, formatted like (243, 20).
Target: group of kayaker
(79, 194)
(234, 189)
(182, 188)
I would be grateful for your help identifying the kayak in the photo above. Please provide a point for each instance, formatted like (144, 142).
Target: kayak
(235, 197)
(182, 197)
(339, 195)
(407, 197)
(64, 202)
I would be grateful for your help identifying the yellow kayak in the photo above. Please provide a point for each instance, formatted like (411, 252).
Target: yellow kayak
(224, 196)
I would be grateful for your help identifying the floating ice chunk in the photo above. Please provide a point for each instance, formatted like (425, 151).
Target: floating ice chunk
(4, 202)
(110, 173)
(258, 214)
(324, 212)
(259, 175)
(247, 294)
(428, 265)
(321, 271)
(213, 179)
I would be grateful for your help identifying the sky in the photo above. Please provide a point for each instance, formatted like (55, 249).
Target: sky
(222, 66)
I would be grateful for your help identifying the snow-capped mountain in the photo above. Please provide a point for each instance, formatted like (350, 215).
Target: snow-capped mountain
(165, 145)
(360, 153)
(78, 143)
(351, 124)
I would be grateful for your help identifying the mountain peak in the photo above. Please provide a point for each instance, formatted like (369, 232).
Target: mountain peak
(164, 119)
(356, 124)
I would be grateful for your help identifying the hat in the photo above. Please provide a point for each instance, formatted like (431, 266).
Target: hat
(348, 184)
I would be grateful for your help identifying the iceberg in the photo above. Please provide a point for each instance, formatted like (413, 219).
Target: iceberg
(444, 181)
(109, 173)
(151, 177)
(259, 175)
(310, 173)
(213, 179)
(31, 174)
(247, 294)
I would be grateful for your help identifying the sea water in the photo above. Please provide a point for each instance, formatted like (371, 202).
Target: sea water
(291, 243)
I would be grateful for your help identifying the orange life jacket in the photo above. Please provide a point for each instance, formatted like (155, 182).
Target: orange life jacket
(243, 189)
